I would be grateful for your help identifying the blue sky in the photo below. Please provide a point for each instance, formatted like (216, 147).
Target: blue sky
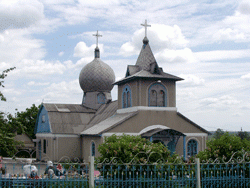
(205, 42)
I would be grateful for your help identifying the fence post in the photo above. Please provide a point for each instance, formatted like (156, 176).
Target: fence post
(198, 173)
(91, 172)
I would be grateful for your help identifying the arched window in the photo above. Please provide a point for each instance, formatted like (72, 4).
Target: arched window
(153, 98)
(126, 97)
(92, 149)
(157, 95)
(101, 98)
(192, 147)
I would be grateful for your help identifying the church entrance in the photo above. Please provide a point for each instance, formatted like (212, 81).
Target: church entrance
(159, 133)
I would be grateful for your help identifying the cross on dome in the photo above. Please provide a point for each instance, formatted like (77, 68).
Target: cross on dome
(97, 35)
(146, 25)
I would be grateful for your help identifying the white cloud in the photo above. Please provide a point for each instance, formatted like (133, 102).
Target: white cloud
(175, 56)
(246, 76)
(221, 55)
(63, 92)
(82, 50)
(18, 45)
(19, 13)
(33, 83)
(229, 34)
(191, 80)
(244, 7)
(224, 102)
(38, 68)
(11, 91)
(51, 2)
(168, 43)
(60, 54)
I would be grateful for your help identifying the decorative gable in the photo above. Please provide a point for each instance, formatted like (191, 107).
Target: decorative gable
(42, 124)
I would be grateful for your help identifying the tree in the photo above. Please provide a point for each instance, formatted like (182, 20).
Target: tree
(8, 146)
(126, 147)
(243, 135)
(27, 119)
(224, 147)
(219, 132)
(7, 134)
(2, 76)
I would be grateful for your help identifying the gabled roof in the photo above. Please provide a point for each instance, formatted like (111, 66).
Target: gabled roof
(76, 108)
(105, 111)
(74, 118)
(146, 67)
(64, 117)
(147, 75)
(109, 123)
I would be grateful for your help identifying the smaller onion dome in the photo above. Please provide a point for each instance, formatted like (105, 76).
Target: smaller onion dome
(97, 75)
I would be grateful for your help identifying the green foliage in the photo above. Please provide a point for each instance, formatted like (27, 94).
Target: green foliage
(225, 146)
(27, 119)
(2, 76)
(7, 134)
(243, 135)
(219, 132)
(126, 147)
(8, 146)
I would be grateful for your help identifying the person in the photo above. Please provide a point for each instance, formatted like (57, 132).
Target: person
(58, 171)
(30, 170)
(49, 169)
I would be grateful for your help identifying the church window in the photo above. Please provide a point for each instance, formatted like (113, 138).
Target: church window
(44, 146)
(161, 98)
(92, 149)
(43, 118)
(153, 98)
(157, 95)
(192, 148)
(101, 98)
(126, 97)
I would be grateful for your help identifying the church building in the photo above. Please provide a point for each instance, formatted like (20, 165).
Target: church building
(145, 106)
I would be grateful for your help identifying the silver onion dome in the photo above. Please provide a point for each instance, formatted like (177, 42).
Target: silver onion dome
(97, 76)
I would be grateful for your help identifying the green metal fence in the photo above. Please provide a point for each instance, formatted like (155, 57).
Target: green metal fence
(116, 174)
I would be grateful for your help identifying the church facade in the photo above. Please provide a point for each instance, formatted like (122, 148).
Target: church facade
(145, 106)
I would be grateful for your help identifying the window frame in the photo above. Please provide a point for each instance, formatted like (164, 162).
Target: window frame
(128, 99)
(190, 147)
(100, 97)
(162, 88)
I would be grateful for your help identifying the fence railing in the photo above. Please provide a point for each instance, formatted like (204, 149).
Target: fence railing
(115, 174)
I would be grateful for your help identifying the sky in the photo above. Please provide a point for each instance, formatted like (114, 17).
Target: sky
(205, 42)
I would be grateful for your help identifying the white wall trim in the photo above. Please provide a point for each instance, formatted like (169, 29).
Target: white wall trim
(196, 134)
(145, 108)
(56, 135)
(152, 127)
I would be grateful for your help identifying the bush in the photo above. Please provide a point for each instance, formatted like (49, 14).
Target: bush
(127, 148)
(225, 147)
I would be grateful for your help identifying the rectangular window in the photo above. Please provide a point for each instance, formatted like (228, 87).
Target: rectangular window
(44, 146)
(43, 118)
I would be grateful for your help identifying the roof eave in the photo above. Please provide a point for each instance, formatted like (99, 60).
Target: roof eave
(138, 77)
